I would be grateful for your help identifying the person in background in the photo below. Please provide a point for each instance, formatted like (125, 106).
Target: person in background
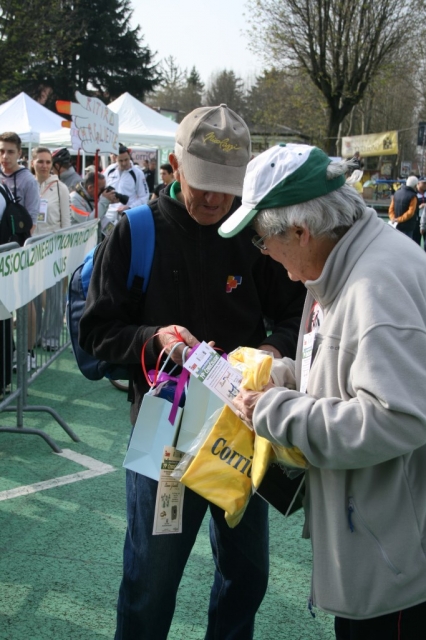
(354, 180)
(18, 179)
(128, 180)
(54, 214)
(83, 198)
(5, 331)
(421, 197)
(189, 291)
(62, 167)
(166, 175)
(23, 186)
(353, 401)
(404, 206)
(151, 175)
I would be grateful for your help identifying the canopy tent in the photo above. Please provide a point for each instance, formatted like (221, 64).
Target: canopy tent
(138, 126)
(27, 118)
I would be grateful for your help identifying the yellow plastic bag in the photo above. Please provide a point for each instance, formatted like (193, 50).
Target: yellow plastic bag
(231, 461)
(221, 470)
(256, 366)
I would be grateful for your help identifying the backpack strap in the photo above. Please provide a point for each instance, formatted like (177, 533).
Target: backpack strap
(142, 232)
(6, 193)
(86, 271)
(132, 173)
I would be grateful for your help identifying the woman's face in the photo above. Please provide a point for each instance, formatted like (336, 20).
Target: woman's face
(42, 165)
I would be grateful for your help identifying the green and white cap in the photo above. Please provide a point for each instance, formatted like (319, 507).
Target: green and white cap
(283, 175)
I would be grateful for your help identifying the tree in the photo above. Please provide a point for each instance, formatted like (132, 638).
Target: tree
(342, 45)
(179, 91)
(226, 88)
(73, 46)
(192, 92)
(168, 95)
(281, 102)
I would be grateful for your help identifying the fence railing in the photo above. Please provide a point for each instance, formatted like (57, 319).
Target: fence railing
(33, 333)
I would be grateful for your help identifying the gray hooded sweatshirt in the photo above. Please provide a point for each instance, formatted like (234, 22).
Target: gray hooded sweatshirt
(362, 423)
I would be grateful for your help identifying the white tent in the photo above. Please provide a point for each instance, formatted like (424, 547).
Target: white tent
(138, 126)
(27, 118)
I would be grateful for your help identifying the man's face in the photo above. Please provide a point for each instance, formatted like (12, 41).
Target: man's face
(91, 188)
(9, 156)
(206, 207)
(124, 161)
(165, 176)
(152, 165)
(421, 187)
(42, 164)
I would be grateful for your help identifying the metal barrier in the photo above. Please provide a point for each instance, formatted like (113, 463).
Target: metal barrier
(30, 341)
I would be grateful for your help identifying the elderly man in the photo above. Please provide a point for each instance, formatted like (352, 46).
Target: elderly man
(354, 400)
(190, 290)
(404, 207)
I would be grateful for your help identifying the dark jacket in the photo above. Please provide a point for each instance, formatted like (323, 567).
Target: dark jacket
(194, 283)
(401, 203)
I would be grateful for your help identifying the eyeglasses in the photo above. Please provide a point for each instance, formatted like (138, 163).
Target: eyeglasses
(258, 242)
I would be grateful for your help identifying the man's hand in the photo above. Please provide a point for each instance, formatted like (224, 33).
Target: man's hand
(123, 208)
(110, 195)
(169, 336)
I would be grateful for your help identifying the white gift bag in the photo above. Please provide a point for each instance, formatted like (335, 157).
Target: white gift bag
(151, 434)
(200, 404)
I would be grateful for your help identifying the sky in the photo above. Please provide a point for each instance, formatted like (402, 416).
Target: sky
(210, 34)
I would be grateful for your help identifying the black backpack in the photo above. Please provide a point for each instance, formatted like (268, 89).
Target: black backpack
(16, 222)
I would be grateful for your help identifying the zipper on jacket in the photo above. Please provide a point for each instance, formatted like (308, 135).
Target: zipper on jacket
(351, 510)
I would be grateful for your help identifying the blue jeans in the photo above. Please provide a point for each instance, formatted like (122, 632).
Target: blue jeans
(153, 566)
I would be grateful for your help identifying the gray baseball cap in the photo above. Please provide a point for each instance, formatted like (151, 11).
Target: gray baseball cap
(216, 149)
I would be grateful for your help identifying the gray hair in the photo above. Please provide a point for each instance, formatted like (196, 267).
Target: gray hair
(90, 178)
(327, 215)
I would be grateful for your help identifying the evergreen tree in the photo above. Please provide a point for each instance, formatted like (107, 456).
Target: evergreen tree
(226, 88)
(72, 45)
(192, 93)
(168, 95)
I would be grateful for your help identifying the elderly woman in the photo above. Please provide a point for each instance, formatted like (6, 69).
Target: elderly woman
(354, 401)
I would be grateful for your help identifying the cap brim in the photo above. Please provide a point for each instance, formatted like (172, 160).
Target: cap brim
(237, 221)
(211, 176)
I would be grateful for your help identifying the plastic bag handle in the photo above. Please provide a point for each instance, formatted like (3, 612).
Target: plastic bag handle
(179, 340)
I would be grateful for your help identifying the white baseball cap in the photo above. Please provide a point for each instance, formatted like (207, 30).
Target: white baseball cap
(284, 175)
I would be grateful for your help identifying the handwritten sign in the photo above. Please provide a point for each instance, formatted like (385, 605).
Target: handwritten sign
(93, 127)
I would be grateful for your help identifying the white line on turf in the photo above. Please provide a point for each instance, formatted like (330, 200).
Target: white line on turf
(94, 468)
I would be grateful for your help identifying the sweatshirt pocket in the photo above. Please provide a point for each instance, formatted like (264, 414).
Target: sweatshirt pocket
(355, 519)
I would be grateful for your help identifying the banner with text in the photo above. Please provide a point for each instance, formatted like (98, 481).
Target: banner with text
(95, 124)
(372, 144)
(27, 271)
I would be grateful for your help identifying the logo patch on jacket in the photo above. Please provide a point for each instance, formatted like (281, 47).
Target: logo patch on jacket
(232, 283)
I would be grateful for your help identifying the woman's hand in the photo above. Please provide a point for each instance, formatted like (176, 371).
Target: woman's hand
(246, 402)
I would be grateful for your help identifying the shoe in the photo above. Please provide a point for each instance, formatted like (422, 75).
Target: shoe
(49, 347)
(31, 361)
